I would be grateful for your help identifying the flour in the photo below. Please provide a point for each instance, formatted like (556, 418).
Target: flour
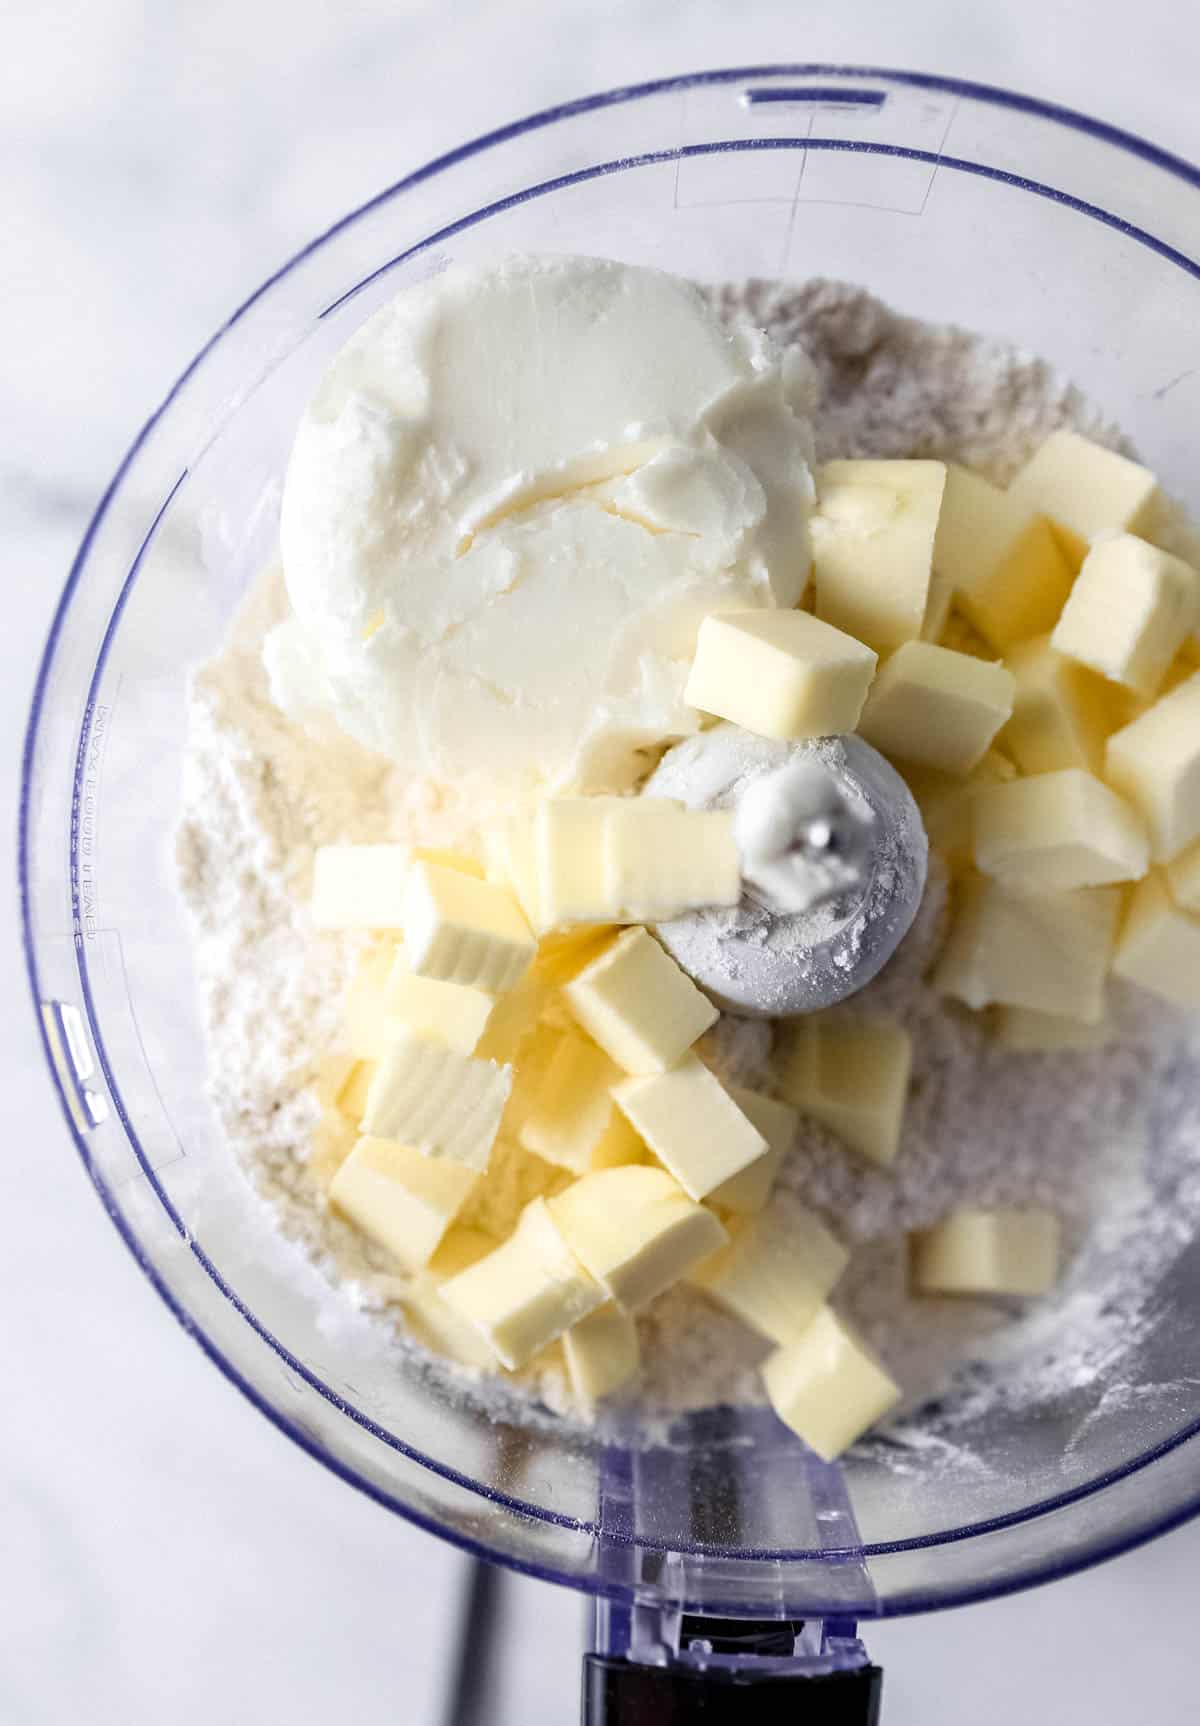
(983, 1125)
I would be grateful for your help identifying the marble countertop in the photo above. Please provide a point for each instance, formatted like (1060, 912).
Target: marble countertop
(167, 1556)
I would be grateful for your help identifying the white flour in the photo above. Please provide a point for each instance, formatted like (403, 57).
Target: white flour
(982, 1125)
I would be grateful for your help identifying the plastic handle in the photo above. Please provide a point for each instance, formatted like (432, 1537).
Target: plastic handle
(618, 1692)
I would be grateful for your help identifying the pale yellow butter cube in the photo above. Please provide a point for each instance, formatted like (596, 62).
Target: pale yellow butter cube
(1048, 951)
(602, 1353)
(1061, 713)
(569, 841)
(947, 805)
(449, 1013)
(692, 1124)
(872, 537)
(661, 860)
(365, 1019)
(431, 1320)
(1155, 763)
(526, 1293)
(460, 930)
(777, 1122)
(572, 1107)
(1085, 490)
(332, 1077)
(937, 708)
(1159, 945)
(1026, 1031)
(1058, 831)
(1129, 612)
(776, 1271)
(445, 1105)
(447, 858)
(511, 853)
(828, 1386)
(359, 886)
(780, 673)
(529, 1070)
(639, 1005)
(332, 1141)
(1183, 878)
(619, 1145)
(353, 1099)
(513, 1019)
(563, 955)
(1008, 574)
(399, 1198)
(975, 1252)
(853, 1078)
(635, 1230)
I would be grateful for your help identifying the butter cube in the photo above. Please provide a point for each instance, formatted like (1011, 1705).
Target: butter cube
(828, 1386)
(977, 1252)
(635, 1230)
(359, 886)
(778, 1123)
(1159, 945)
(1010, 578)
(399, 1198)
(563, 955)
(661, 860)
(775, 1273)
(569, 840)
(1061, 712)
(601, 1353)
(511, 853)
(1050, 952)
(352, 1102)
(1155, 763)
(332, 1141)
(872, 537)
(853, 1078)
(449, 1013)
(619, 1145)
(1129, 612)
(513, 1019)
(460, 930)
(692, 1125)
(947, 805)
(431, 1320)
(367, 1026)
(938, 708)
(447, 858)
(780, 673)
(1183, 878)
(535, 1057)
(525, 1293)
(637, 1003)
(1085, 490)
(1026, 1031)
(443, 1104)
(332, 1077)
(572, 1108)
(1058, 831)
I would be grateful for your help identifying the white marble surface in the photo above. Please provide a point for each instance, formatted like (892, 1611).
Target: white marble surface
(166, 1556)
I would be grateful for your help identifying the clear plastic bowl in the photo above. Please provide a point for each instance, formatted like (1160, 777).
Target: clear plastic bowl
(953, 201)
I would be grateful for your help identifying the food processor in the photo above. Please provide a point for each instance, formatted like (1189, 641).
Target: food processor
(728, 1564)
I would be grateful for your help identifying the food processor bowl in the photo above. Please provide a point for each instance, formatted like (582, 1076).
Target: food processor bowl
(951, 201)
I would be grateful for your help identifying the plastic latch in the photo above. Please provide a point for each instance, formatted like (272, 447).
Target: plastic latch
(74, 1063)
